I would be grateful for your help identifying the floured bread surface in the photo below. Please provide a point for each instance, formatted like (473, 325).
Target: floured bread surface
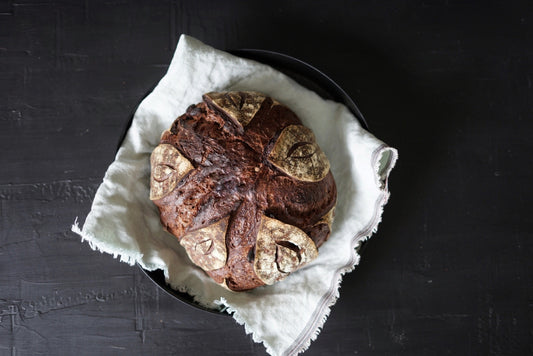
(244, 187)
(168, 167)
(297, 154)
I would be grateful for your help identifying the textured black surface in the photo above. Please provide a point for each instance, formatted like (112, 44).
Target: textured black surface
(449, 83)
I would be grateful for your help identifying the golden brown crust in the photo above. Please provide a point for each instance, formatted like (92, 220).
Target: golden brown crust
(297, 154)
(206, 247)
(281, 249)
(240, 106)
(168, 167)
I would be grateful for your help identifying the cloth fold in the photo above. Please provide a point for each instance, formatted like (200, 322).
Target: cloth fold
(123, 221)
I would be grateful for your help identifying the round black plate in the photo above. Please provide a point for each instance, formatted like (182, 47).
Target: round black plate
(158, 277)
(309, 77)
(305, 74)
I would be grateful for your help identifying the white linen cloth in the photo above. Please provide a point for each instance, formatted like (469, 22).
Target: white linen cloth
(125, 223)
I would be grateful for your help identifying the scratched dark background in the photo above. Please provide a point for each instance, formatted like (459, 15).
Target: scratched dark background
(449, 83)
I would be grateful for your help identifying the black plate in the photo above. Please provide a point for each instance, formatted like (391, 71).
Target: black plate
(305, 74)
(309, 77)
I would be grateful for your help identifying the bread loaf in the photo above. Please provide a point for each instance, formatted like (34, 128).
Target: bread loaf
(244, 187)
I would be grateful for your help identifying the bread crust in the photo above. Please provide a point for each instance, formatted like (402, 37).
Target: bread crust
(248, 192)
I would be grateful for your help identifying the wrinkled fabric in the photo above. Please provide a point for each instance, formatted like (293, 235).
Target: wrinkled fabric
(123, 221)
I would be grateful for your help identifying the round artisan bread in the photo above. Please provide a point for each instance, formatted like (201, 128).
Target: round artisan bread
(244, 187)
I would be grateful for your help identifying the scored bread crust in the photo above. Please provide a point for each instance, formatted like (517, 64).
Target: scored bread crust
(244, 187)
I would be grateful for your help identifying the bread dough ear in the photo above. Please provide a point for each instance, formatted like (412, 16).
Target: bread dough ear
(297, 154)
(281, 249)
(206, 247)
(168, 168)
(239, 106)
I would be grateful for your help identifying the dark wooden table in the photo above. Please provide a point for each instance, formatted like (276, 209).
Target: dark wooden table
(449, 83)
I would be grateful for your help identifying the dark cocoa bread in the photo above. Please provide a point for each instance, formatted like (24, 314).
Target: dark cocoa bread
(244, 187)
